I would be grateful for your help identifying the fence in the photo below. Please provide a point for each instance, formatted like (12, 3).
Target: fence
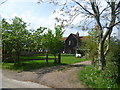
(12, 57)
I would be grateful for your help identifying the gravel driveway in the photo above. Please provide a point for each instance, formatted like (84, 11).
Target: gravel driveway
(56, 77)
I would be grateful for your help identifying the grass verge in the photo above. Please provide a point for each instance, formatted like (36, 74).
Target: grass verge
(94, 78)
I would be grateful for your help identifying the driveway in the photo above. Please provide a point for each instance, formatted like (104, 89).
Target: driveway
(11, 83)
(65, 76)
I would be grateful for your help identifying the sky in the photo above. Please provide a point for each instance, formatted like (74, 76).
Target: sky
(36, 14)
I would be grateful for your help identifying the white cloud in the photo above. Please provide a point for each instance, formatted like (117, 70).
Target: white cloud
(44, 21)
(35, 21)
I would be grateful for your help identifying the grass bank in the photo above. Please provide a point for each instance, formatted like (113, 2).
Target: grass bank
(94, 78)
(36, 64)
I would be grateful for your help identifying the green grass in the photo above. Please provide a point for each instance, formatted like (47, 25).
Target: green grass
(36, 64)
(28, 65)
(72, 59)
(94, 78)
(32, 57)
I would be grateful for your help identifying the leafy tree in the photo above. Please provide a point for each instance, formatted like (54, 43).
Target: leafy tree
(7, 46)
(37, 37)
(14, 36)
(90, 44)
(53, 42)
(105, 17)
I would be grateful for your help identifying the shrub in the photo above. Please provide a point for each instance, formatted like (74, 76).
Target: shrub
(113, 60)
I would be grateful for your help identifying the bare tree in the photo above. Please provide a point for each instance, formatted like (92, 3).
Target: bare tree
(104, 13)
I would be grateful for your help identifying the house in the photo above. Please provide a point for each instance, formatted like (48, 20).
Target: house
(72, 43)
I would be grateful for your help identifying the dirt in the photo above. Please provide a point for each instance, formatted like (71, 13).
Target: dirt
(55, 77)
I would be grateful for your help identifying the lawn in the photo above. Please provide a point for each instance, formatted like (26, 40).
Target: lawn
(36, 64)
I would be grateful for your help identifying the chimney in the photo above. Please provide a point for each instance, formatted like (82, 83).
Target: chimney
(77, 34)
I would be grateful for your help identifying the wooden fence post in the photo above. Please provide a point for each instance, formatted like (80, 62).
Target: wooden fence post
(59, 58)
(47, 58)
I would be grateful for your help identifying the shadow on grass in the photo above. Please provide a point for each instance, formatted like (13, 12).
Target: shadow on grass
(78, 65)
(25, 66)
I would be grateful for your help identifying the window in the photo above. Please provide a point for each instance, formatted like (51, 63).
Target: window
(69, 42)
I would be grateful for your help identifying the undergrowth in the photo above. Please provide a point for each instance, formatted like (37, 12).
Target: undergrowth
(94, 78)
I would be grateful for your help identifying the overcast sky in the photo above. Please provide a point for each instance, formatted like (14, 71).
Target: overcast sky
(35, 14)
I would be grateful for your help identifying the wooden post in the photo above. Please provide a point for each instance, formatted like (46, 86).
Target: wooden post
(47, 57)
(59, 58)
(55, 59)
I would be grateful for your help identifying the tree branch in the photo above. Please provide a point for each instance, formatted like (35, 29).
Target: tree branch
(118, 5)
(115, 24)
(108, 45)
(3, 2)
(117, 13)
(83, 7)
(104, 10)
(72, 19)
(109, 4)
(96, 14)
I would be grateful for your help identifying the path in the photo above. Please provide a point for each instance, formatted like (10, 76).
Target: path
(66, 77)
(55, 77)
(10, 83)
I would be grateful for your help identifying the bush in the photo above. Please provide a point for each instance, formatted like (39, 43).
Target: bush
(113, 60)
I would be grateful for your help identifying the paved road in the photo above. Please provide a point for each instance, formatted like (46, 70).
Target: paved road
(10, 83)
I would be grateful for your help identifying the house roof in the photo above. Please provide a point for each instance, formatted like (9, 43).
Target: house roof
(84, 37)
(77, 37)
(64, 38)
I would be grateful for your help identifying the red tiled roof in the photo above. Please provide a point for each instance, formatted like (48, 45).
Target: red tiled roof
(84, 37)
(64, 38)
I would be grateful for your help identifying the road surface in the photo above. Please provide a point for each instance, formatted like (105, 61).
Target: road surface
(11, 83)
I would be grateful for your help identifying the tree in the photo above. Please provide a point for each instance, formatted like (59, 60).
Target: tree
(53, 42)
(37, 36)
(14, 36)
(35, 39)
(5, 33)
(90, 44)
(104, 15)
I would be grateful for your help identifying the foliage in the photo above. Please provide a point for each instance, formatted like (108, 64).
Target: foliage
(16, 38)
(94, 78)
(90, 44)
(110, 77)
(14, 35)
(113, 59)
(36, 37)
(52, 42)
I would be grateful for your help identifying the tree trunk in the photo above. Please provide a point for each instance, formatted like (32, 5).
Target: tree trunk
(47, 58)
(93, 61)
(59, 58)
(55, 60)
(18, 57)
(101, 57)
